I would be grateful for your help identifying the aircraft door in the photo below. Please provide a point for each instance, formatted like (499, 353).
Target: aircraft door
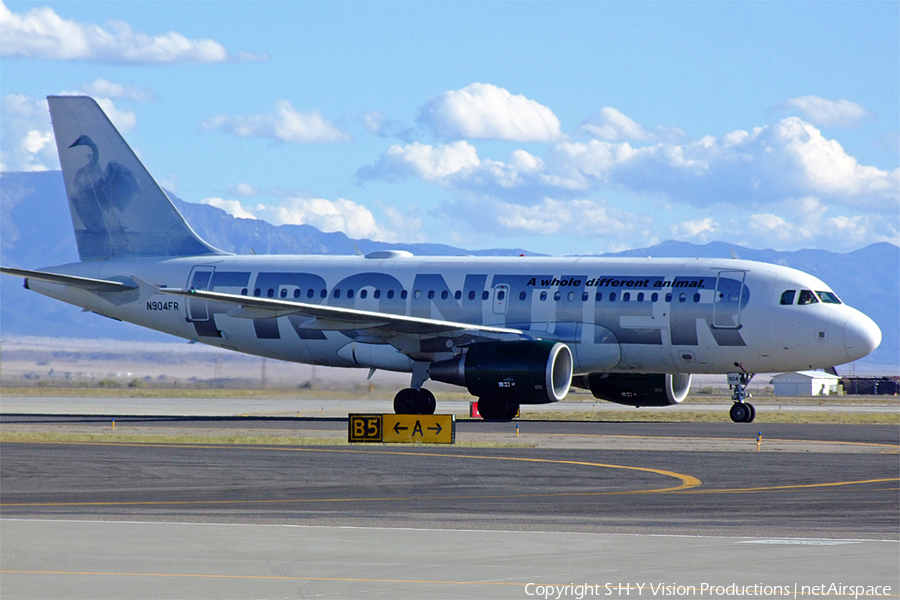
(729, 299)
(501, 299)
(200, 278)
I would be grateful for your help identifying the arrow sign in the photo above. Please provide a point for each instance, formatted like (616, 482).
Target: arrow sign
(420, 429)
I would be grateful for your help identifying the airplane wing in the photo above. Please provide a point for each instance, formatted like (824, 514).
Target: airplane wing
(331, 318)
(86, 283)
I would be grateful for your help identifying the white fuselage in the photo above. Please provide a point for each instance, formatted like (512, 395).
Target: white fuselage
(616, 315)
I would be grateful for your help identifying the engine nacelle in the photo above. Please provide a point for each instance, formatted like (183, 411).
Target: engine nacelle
(526, 372)
(651, 389)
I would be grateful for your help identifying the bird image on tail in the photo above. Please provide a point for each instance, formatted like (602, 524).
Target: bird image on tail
(103, 180)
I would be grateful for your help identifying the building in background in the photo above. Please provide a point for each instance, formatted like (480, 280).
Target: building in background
(806, 383)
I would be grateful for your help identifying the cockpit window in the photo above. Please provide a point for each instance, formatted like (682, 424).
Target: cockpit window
(787, 298)
(828, 297)
(807, 297)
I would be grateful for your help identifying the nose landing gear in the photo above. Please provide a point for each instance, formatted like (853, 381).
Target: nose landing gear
(741, 411)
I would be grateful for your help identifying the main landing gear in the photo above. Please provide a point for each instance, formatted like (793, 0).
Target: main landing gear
(741, 411)
(411, 401)
(497, 411)
(415, 400)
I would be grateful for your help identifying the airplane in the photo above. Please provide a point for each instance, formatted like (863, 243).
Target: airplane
(513, 330)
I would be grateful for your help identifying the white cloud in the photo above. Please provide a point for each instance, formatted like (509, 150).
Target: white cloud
(790, 158)
(435, 164)
(485, 111)
(242, 189)
(232, 207)
(124, 120)
(612, 125)
(376, 123)
(342, 215)
(704, 229)
(42, 34)
(457, 166)
(826, 113)
(26, 137)
(575, 218)
(285, 125)
(107, 89)
(784, 182)
(408, 226)
(339, 215)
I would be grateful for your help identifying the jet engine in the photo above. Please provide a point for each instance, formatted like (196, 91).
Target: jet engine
(523, 372)
(646, 389)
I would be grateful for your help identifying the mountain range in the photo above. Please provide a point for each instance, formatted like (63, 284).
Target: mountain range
(36, 231)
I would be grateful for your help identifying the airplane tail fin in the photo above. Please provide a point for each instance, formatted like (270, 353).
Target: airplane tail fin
(118, 210)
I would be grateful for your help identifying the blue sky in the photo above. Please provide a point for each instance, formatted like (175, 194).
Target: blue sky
(563, 128)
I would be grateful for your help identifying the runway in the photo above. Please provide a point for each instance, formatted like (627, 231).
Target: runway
(563, 503)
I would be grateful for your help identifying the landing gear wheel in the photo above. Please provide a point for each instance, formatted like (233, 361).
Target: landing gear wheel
(411, 401)
(429, 404)
(742, 412)
(407, 402)
(511, 411)
(496, 411)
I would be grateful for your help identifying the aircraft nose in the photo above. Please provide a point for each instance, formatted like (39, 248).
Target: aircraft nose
(863, 336)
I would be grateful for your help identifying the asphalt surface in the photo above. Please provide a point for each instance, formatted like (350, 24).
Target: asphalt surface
(849, 488)
(562, 503)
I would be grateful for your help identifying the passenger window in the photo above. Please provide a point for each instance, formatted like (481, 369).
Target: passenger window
(403, 294)
(363, 294)
(669, 297)
(828, 297)
(571, 296)
(431, 294)
(543, 296)
(640, 297)
(271, 293)
(522, 295)
(283, 293)
(376, 294)
(244, 292)
(309, 293)
(585, 296)
(599, 296)
(697, 297)
(471, 294)
(612, 296)
(807, 297)
(445, 294)
(297, 293)
(457, 295)
(337, 293)
(557, 296)
(787, 298)
(323, 293)
(501, 295)
(654, 297)
(349, 293)
(682, 297)
(626, 297)
(485, 295)
(390, 294)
